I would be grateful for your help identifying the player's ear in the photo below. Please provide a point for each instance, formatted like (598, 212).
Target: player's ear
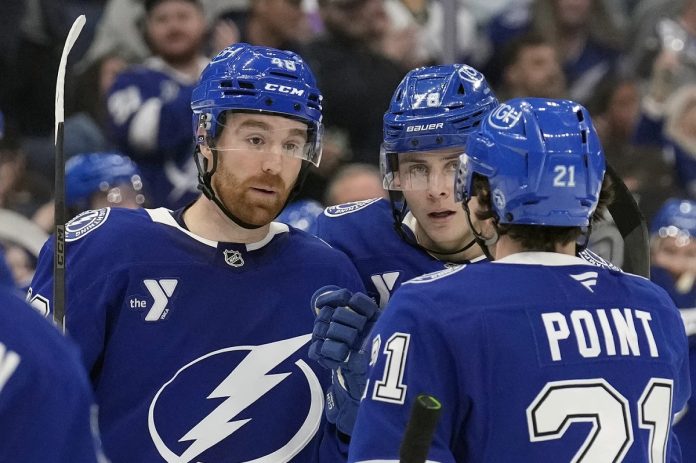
(206, 152)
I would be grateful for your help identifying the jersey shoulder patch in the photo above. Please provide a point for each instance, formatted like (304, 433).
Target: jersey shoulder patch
(596, 260)
(434, 276)
(348, 208)
(85, 223)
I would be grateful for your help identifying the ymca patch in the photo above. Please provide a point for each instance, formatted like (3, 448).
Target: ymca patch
(85, 223)
(348, 208)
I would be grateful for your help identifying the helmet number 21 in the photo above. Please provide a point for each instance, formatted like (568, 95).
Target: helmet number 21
(565, 176)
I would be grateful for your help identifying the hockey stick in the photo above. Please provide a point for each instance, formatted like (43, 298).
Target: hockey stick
(420, 429)
(59, 194)
(631, 224)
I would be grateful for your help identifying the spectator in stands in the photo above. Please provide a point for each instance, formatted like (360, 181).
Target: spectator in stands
(273, 23)
(20, 190)
(659, 26)
(356, 81)
(583, 32)
(531, 68)
(86, 115)
(149, 105)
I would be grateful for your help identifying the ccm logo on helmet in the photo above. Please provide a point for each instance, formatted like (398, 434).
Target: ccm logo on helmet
(284, 89)
(424, 127)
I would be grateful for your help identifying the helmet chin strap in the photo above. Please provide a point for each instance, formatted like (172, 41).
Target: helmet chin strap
(481, 240)
(205, 177)
(400, 213)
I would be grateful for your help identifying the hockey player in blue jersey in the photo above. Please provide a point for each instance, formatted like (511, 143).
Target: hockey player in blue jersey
(46, 404)
(539, 355)
(193, 323)
(673, 253)
(420, 229)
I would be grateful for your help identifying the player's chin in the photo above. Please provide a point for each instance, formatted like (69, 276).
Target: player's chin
(261, 213)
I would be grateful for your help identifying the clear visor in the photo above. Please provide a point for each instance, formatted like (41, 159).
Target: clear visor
(280, 136)
(419, 170)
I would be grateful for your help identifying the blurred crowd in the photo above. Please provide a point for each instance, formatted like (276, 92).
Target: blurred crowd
(129, 131)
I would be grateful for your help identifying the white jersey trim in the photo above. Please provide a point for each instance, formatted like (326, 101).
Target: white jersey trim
(274, 229)
(410, 222)
(551, 259)
(164, 216)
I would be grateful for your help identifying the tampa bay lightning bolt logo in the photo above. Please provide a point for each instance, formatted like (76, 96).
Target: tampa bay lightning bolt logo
(470, 74)
(84, 223)
(233, 405)
(348, 208)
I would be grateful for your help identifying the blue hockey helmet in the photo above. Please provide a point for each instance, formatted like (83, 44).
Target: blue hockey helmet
(543, 160)
(677, 219)
(260, 79)
(433, 108)
(90, 173)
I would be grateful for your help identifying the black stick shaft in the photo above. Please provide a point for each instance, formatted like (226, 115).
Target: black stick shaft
(420, 429)
(631, 224)
(59, 248)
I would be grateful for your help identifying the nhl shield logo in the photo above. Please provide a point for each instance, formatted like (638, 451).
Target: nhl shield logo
(233, 258)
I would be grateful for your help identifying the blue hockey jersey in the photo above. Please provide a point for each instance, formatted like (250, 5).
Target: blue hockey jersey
(685, 426)
(198, 349)
(364, 231)
(562, 361)
(149, 109)
(46, 405)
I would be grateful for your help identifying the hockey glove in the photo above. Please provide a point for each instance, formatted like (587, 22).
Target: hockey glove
(341, 332)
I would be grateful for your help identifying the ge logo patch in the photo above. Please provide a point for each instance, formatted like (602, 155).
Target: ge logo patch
(227, 53)
(262, 404)
(470, 74)
(84, 223)
(348, 208)
(504, 117)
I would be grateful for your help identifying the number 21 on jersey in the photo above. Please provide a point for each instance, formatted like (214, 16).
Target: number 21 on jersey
(562, 403)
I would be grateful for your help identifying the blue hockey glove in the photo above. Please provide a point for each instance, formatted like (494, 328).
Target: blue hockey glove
(341, 331)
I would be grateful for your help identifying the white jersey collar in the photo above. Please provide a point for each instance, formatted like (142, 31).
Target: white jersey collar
(551, 259)
(164, 216)
(410, 222)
